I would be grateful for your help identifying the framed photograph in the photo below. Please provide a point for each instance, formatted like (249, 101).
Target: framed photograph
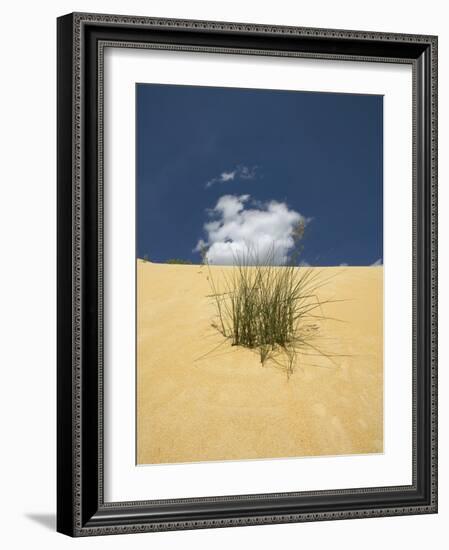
(247, 280)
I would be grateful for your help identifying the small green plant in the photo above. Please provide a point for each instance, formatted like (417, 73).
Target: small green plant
(178, 261)
(269, 308)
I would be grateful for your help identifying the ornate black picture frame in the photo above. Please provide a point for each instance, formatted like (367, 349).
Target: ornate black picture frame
(81, 510)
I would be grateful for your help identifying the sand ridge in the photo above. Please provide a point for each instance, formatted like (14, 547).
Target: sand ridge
(201, 399)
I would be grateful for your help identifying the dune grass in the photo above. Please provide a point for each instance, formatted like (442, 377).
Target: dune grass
(274, 310)
(178, 261)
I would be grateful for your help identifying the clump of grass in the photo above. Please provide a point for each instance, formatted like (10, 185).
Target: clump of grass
(179, 261)
(268, 308)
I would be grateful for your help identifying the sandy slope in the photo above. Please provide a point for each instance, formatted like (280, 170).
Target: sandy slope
(195, 402)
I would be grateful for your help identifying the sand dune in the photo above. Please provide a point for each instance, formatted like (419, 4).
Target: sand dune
(200, 399)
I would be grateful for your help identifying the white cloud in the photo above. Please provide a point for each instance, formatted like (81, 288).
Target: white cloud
(239, 172)
(227, 176)
(237, 230)
(377, 262)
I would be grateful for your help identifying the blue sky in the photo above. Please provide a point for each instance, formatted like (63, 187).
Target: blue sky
(229, 168)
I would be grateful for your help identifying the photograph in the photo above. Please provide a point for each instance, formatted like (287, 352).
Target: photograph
(259, 274)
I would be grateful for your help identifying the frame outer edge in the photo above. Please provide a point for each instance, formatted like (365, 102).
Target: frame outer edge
(434, 271)
(74, 527)
(65, 270)
(232, 26)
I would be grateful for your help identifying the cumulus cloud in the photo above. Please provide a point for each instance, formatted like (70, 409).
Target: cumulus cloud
(239, 227)
(239, 172)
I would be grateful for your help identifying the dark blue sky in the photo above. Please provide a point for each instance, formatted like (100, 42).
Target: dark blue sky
(320, 153)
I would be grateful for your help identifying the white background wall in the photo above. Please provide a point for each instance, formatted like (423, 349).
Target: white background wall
(27, 272)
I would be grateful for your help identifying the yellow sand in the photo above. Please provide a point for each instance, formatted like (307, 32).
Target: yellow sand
(196, 403)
